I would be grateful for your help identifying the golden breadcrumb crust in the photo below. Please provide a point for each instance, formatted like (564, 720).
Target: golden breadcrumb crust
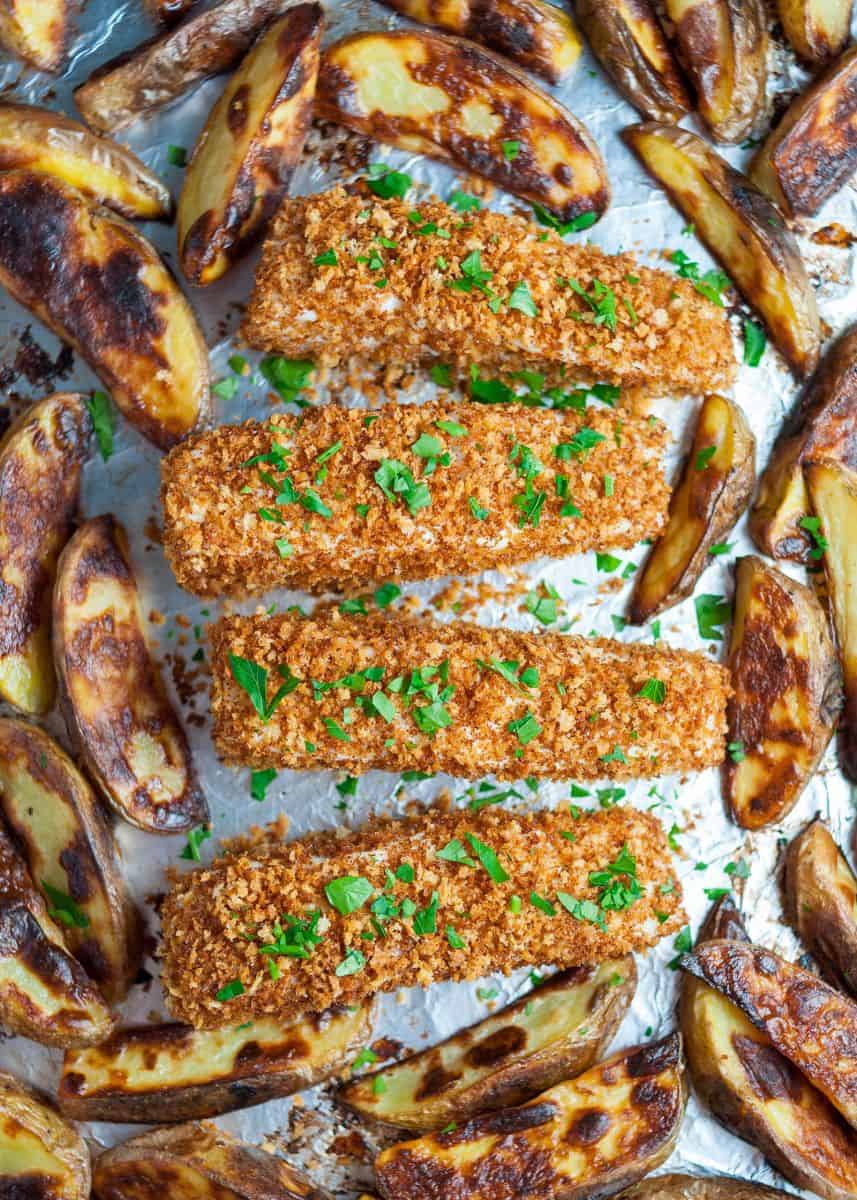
(586, 721)
(216, 919)
(647, 328)
(220, 538)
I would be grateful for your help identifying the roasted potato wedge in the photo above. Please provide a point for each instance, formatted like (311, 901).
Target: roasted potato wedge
(714, 489)
(41, 1155)
(787, 693)
(724, 45)
(554, 1033)
(447, 98)
(154, 1073)
(58, 827)
(742, 229)
(812, 152)
(833, 492)
(196, 1162)
(590, 1136)
(99, 285)
(37, 30)
(700, 1187)
(252, 141)
(168, 10)
(809, 1022)
(821, 891)
(626, 38)
(41, 458)
(824, 427)
(816, 29)
(203, 44)
(537, 35)
(49, 143)
(753, 1090)
(111, 691)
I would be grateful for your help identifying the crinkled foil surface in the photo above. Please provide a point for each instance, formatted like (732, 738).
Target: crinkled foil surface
(640, 219)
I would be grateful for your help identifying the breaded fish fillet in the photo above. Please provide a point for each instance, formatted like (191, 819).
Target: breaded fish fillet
(514, 889)
(336, 499)
(345, 277)
(398, 694)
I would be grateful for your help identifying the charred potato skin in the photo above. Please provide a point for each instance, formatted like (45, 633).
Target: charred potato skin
(813, 150)
(60, 1168)
(673, 1186)
(787, 693)
(804, 25)
(261, 1068)
(111, 691)
(260, 162)
(37, 33)
(498, 1048)
(705, 505)
(626, 38)
(41, 459)
(557, 164)
(66, 840)
(92, 279)
(821, 891)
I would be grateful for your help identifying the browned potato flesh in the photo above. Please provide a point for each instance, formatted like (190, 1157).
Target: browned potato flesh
(54, 818)
(714, 489)
(112, 695)
(196, 1162)
(41, 1155)
(822, 899)
(724, 45)
(152, 1073)
(824, 427)
(587, 1137)
(816, 29)
(168, 10)
(203, 44)
(700, 1187)
(41, 458)
(37, 30)
(787, 690)
(809, 1022)
(448, 99)
(812, 153)
(754, 1091)
(627, 39)
(49, 143)
(742, 229)
(534, 34)
(252, 141)
(553, 1033)
(92, 279)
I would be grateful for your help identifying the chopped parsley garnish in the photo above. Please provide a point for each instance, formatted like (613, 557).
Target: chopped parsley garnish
(511, 150)
(607, 562)
(312, 502)
(260, 781)
(463, 202)
(327, 259)
(525, 728)
(65, 910)
(226, 389)
(297, 940)
(736, 751)
(364, 1059)
(100, 411)
(508, 669)
(347, 786)
(542, 904)
(543, 608)
(386, 594)
(332, 449)
(452, 428)
(683, 944)
(348, 893)
(425, 919)
(716, 893)
(740, 869)
(575, 225)
(521, 300)
(653, 689)
(472, 275)
(441, 374)
(455, 940)
(583, 441)
(455, 852)
(395, 479)
(582, 910)
(754, 343)
(601, 300)
(704, 457)
(617, 754)
(720, 548)
(387, 183)
(253, 679)
(353, 962)
(711, 612)
(335, 729)
(476, 508)
(230, 990)
(710, 284)
(287, 376)
(618, 882)
(812, 526)
(177, 156)
(487, 858)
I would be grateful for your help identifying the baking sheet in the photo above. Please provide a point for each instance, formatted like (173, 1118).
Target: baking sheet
(639, 219)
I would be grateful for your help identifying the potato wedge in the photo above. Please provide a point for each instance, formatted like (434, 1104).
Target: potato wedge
(715, 487)
(627, 39)
(446, 98)
(723, 45)
(42, 1156)
(252, 141)
(49, 143)
(41, 458)
(816, 29)
(552, 1034)
(537, 35)
(824, 427)
(812, 153)
(787, 693)
(159, 71)
(809, 1022)
(154, 1073)
(753, 1090)
(37, 30)
(196, 1162)
(833, 492)
(110, 688)
(742, 229)
(99, 285)
(168, 11)
(821, 892)
(700, 1187)
(60, 831)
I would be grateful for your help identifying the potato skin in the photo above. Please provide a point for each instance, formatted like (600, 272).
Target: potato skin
(673, 1186)
(821, 892)
(38, 33)
(252, 141)
(816, 29)
(60, 1168)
